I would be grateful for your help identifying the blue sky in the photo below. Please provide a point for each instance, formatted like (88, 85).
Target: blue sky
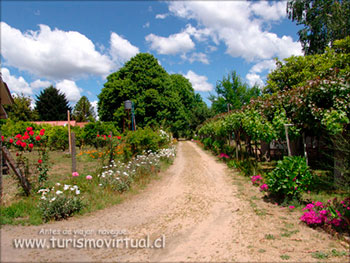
(75, 45)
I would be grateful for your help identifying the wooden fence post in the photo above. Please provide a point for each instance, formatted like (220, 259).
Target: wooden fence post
(22, 179)
(74, 161)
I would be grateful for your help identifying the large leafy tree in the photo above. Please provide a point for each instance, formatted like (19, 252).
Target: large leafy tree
(83, 110)
(295, 71)
(232, 93)
(141, 80)
(52, 105)
(324, 22)
(20, 110)
(160, 99)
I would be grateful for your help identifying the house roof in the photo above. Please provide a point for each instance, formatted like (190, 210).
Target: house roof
(5, 95)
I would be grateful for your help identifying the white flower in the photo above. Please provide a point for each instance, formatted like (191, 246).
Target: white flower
(66, 187)
(77, 192)
(58, 184)
(53, 199)
(100, 184)
(43, 197)
(58, 192)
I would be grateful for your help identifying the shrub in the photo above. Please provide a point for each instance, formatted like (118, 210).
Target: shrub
(290, 178)
(60, 203)
(93, 128)
(58, 138)
(334, 213)
(145, 140)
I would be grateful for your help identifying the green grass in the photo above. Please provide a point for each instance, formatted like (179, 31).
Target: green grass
(336, 253)
(285, 257)
(261, 250)
(23, 212)
(287, 233)
(320, 255)
(270, 237)
(257, 211)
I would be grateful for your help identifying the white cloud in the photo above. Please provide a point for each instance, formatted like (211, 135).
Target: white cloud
(70, 89)
(254, 75)
(174, 44)
(121, 49)
(275, 11)
(146, 25)
(94, 105)
(54, 54)
(161, 16)
(238, 24)
(16, 85)
(200, 57)
(269, 65)
(254, 79)
(40, 84)
(199, 83)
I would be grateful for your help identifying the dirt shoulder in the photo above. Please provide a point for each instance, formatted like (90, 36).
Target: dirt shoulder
(200, 209)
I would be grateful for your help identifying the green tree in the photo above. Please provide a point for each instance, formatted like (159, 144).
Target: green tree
(21, 110)
(324, 22)
(160, 99)
(141, 80)
(232, 93)
(295, 71)
(52, 105)
(83, 110)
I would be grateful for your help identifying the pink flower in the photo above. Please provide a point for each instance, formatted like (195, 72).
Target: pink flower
(291, 207)
(224, 155)
(88, 177)
(264, 187)
(318, 203)
(75, 174)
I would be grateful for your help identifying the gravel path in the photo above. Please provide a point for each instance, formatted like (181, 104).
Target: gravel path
(199, 212)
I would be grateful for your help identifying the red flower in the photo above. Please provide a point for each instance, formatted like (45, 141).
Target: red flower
(25, 137)
(29, 128)
(11, 140)
(23, 144)
(38, 138)
(31, 133)
(42, 132)
(2, 138)
(26, 133)
(17, 154)
(40, 161)
(18, 136)
(31, 145)
(119, 137)
(109, 136)
(98, 135)
(19, 143)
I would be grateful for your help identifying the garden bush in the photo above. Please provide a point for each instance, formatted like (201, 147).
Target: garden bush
(60, 202)
(145, 140)
(290, 178)
(90, 131)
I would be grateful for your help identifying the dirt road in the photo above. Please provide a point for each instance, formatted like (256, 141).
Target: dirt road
(201, 214)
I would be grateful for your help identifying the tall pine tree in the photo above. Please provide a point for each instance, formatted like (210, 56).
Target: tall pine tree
(52, 105)
(83, 110)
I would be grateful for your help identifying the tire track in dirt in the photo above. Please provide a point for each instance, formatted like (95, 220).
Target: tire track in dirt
(199, 211)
